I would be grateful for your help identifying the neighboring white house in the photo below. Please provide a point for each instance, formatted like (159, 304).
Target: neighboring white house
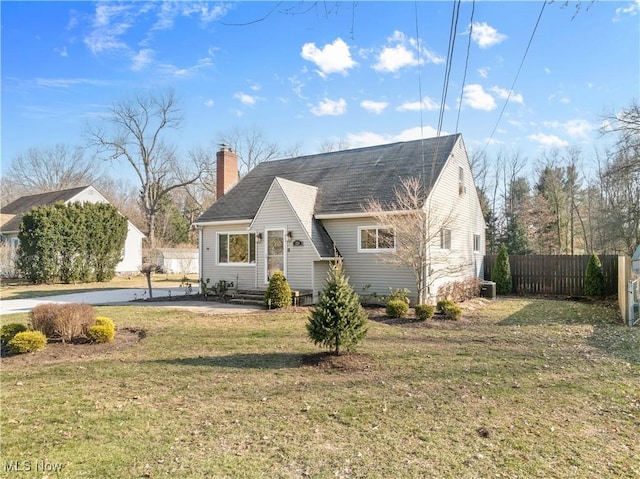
(296, 214)
(177, 260)
(11, 217)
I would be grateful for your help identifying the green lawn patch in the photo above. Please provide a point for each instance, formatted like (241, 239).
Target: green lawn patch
(503, 392)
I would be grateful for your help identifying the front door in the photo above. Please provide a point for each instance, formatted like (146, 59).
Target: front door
(275, 252)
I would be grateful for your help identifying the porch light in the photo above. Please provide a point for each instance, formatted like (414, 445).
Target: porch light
(259, 237)
(289, 235)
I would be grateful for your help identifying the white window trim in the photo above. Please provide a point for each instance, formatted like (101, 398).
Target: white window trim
(266, 250)
(444, 247)
(376, 249)
(217, 252)
(477, 250)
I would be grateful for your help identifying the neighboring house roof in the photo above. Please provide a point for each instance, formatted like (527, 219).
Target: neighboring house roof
(345, 180)
(19, 207)
(12, 213)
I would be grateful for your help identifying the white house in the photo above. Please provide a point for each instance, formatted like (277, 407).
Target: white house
(296, 214)
(11, 217)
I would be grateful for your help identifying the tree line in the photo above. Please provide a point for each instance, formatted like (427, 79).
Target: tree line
(571, 204)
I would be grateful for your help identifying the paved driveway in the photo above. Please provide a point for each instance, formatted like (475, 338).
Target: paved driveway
(113, 296)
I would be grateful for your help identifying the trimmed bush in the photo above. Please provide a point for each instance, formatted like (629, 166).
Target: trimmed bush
(338, 321)
(63, 321)
(103, 331)
(594, 284)
(449, 309)
(278, 293)
(501, 274)
(27, 342)
(396, 308)
(424, 312)
(8, 331)
(399, 295)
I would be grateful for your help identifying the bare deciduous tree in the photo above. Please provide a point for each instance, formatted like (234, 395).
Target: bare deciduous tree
(418, 227)
(134, 130)
(251, 145)
(40, 170)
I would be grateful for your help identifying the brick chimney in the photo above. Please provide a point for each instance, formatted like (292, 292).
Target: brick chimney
(226, 170)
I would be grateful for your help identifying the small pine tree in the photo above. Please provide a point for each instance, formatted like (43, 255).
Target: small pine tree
(594, 284)
(501, 274)
(278, 293)
(338, 321)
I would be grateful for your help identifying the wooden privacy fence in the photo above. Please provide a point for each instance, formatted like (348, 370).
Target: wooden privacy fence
(554, 274)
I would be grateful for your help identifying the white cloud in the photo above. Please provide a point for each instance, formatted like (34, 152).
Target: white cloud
(374, 106)
(631, 9)
(578, 128)
(504, 94)
(564, 100)
(368, 138)
(484, 72)
(478, 99)
(169, 69)
(332, 58)
(62, 51)
(401, 51)
(245, 99)
(142, 59)
(549, 141)
(170, 10)
(485, 35)
(209, 103)
(66, 82)
(547, 70)
(427, 104)
(109, 24)
(330, 107)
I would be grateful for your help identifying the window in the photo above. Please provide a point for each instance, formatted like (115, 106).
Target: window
(376, 239)
(476, 242)
(461, 188)
(236, 248)
(445, 238)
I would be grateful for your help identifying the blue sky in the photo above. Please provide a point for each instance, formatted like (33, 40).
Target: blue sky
(306, 73)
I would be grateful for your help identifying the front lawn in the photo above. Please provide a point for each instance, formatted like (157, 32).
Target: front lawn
(517, 388)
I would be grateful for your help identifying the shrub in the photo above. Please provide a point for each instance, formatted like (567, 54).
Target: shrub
(8, 331)
(27, 342)
(338, 320)
(63, 321)
(501, 274)
(396, 308)
(594, 284)
(449, 309)
(278, 293)
(399, 295)
(103, 331)
(460, 291)
(424, 312)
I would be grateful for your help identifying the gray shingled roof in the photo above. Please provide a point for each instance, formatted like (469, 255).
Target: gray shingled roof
(23, 204)
(346, 180)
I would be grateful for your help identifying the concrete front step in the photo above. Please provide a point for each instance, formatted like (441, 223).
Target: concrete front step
(248, 301)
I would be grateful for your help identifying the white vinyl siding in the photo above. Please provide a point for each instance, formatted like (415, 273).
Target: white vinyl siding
(366, 269)
(299, 254)
(460, 213)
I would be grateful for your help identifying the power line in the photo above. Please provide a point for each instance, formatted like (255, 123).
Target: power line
(515, 79)
(455, 14)
(466, 63)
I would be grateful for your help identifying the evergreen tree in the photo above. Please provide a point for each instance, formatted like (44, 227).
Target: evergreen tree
(594, 284)
(338, 321)
(516, 236)
(501, 274)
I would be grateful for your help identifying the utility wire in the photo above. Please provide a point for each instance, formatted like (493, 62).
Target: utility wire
(455, 14)
(415, 5)
(515, 79)
(466, 63)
